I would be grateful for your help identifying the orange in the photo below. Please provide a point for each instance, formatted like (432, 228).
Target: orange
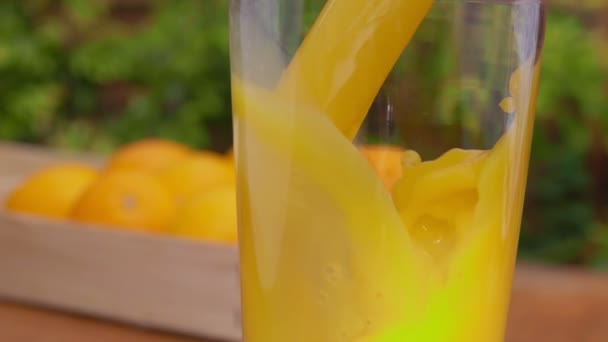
(152, 155)
(52, 191)
(210, 216)
(386, 161)
(197, 174)
(126, 198)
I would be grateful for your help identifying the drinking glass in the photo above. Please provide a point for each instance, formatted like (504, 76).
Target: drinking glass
(382, 150)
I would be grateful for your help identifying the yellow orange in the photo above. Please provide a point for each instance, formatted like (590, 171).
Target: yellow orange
(52, 191)
(152, 155)
(210, 216)
(197, 174)
(126, 198)
(386, 161)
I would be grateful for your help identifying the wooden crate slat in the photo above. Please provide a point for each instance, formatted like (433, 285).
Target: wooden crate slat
(149, 280)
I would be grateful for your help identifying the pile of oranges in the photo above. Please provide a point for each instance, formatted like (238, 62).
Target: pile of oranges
(158, 186)
(151, 185)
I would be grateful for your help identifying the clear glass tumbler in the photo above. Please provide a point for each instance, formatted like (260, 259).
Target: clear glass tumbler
(382, 151)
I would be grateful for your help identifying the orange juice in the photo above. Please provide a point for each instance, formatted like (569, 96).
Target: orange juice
(433, 267)
(353, 42)
(328, 252)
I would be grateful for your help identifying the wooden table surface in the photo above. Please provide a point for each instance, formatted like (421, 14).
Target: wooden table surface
(19, 323)
(549, 305)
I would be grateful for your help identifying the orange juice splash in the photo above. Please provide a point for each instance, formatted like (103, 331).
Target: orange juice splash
(329, 255)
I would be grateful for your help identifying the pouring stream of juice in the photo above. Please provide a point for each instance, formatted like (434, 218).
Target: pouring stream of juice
(348, 54)
(329, 254)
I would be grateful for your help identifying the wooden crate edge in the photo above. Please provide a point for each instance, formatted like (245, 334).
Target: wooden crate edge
(152, 281)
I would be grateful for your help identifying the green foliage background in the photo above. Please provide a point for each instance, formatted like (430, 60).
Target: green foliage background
(92, 75)
(75, 75)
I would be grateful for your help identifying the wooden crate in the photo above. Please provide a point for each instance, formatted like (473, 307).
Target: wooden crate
(153, 281)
